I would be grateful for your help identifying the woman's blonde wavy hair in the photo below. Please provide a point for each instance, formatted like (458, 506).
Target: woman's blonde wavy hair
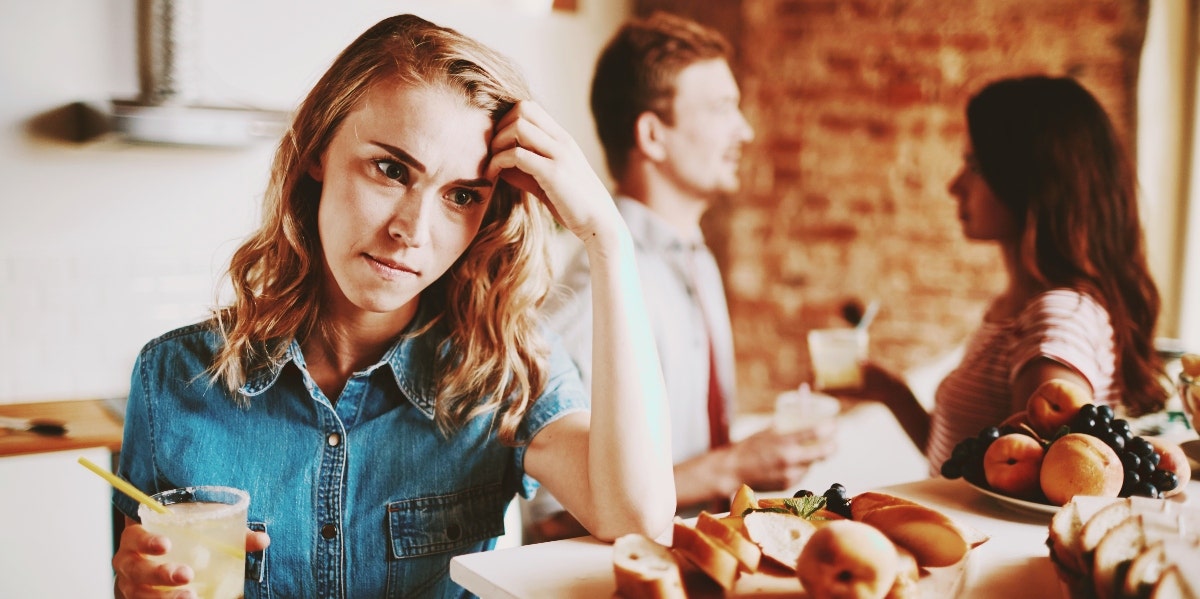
(487, 301)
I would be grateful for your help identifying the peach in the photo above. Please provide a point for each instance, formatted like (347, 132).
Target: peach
(1012, 465)
(1080, 464)
(1054, 403)
(848, 559)
(1172, 458)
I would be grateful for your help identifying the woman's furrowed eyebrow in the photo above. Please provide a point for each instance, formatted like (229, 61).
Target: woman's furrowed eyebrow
(416, 165)
(401, 155)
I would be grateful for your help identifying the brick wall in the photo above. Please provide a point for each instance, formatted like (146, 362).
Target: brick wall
(858, 109)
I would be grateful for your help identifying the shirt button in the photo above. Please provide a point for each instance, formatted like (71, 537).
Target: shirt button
(333, 439)
(328, 531)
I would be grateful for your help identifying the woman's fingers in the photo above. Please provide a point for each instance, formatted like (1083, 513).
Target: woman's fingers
(138, 575)
(526, 134)
(256, 541)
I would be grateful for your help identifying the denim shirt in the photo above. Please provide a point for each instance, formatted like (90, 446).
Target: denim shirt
(361, 498)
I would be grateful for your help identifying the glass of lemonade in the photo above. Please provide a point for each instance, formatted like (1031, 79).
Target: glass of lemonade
(837, 358)
(207, 529)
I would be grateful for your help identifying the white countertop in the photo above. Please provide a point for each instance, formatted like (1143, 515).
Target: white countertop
(1013, 563)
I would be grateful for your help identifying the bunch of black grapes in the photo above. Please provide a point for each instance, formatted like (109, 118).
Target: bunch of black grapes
(966, 461)
(836, 500)
(1142, 475)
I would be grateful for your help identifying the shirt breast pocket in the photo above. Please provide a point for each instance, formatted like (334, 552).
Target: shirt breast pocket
(442, 523)
(424, 533)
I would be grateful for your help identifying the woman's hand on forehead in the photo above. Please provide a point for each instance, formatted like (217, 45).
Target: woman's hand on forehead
(532, 152)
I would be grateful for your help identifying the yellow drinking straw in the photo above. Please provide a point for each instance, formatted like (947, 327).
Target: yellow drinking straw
(124, 486)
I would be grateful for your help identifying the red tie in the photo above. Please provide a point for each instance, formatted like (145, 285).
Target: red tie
(718, 420)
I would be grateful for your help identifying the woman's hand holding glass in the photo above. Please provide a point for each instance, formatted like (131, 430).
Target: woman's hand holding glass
(140, 576)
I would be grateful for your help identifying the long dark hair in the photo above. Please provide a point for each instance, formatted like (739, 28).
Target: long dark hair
(1049, 152)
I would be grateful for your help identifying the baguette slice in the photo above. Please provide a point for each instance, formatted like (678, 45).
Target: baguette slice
(1095, 528)
(729, 535)
(1066, 533)
(932, 537)
(645, 570)
(865, 503)
(1120, 545)
(1063, 540)
(706, 553)
(781, 536)
(1178, 582)
(1145, 570)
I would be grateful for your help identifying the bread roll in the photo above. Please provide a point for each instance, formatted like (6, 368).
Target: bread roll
(865, 503)
(645, 570)
(931, 537)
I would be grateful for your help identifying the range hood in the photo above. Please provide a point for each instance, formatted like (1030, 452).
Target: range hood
(167, 109)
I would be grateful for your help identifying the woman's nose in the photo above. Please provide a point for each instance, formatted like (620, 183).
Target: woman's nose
(410, 222)
(955, 185)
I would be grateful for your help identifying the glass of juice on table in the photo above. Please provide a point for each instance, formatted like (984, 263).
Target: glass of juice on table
(207, 529)
(837, 358)
(802, 409)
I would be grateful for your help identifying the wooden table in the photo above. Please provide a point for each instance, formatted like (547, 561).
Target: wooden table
(1013, 563)
(90, 423)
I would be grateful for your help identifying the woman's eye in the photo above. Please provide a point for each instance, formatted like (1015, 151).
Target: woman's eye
(392, 170)
(464, 197)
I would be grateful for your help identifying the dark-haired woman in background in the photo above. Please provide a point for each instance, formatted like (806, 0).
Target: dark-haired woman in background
(1044, 177)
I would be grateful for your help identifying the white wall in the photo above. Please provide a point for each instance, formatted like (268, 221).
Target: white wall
(1167, 132)
(107, 244)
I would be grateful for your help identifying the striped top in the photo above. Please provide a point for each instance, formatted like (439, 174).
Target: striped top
(1061, 324)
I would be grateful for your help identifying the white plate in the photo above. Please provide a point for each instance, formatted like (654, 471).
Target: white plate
(1012, 503)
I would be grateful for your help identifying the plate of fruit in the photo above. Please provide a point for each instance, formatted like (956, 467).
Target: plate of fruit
(1064, 445)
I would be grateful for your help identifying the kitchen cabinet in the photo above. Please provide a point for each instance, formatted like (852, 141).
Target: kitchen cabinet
(57, 538)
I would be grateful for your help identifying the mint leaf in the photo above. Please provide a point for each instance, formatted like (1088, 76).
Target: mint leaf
(805, 506)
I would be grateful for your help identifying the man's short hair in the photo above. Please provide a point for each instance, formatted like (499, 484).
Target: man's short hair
(636, 72)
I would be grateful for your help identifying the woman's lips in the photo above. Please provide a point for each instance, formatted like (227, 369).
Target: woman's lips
(390, 268)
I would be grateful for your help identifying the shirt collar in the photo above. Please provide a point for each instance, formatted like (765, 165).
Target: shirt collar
(410, 359)
(651, 231)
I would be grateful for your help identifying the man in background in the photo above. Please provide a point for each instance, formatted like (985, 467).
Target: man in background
(666, 107)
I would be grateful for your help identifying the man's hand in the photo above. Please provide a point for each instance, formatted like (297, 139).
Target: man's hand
(773, 461)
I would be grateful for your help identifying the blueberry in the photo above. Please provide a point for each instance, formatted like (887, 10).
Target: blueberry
(1132, 478)
(1153, 458)
(1146, 489)
(1104, 413)
(1114, 440)
(1165, 480)
(1146, 469)
(837, 489)
(1087, 411)
(1085, 425)
(952, 469)
(803, 493)
(989, 434)
(1139, 446)
(1121, 427)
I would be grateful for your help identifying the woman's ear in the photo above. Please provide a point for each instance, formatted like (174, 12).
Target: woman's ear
(648, 136)
(316, 171)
